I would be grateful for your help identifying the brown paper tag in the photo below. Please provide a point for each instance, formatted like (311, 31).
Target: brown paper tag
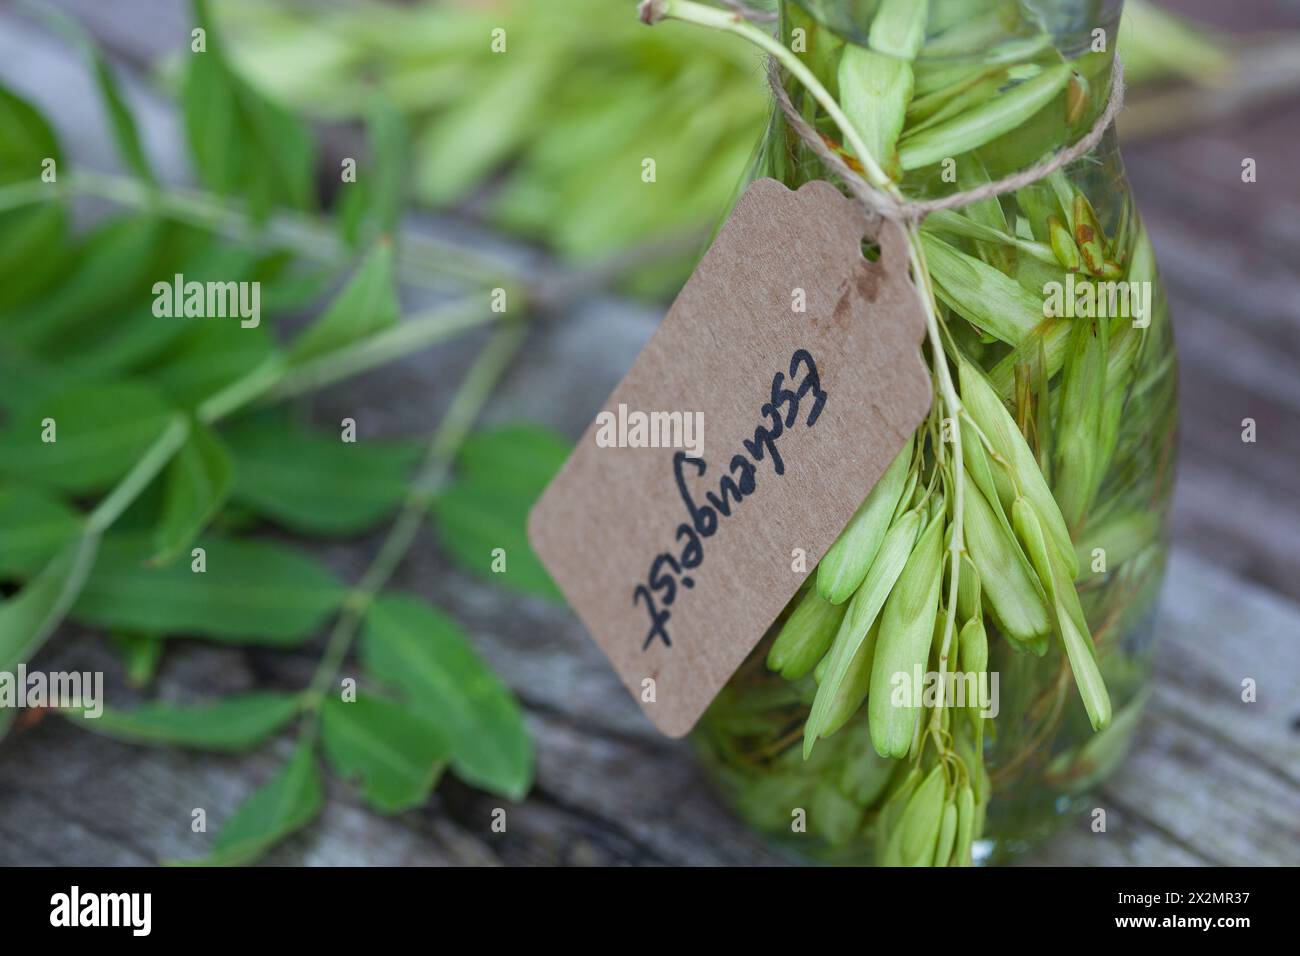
(801, 360)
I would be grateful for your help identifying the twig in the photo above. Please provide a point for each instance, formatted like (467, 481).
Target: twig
(446, 442)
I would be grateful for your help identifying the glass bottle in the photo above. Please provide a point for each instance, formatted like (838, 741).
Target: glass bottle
(1078, 228)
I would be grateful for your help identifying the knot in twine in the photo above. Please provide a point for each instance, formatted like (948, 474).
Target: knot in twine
(904, 211)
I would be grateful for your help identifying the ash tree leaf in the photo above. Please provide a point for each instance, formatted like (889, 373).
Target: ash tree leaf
(314, 483)
(209, 358)
(26, 140)
(398, 752)
(140, 654)
(109, 272)
(371, 206)
(28, 618)
(243, 144)
(196, 485)
(100, 431)
(35, 524)
(974, 127)
(34, 245)
(421, 651)
(500, 474)
(125, 133)
(252, 592)
(121, 121)
(982, 294)
(231, 725)
(134, 337)
(35, 250)
(367, 304)
(283, 805)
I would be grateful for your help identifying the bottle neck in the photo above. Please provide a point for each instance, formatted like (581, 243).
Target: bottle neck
(970, 30)
(969, 54)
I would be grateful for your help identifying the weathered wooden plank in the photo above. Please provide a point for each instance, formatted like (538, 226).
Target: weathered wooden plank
(1211, 779)
(1213, 776)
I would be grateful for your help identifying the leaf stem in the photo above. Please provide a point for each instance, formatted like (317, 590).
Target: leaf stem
(420, 256)
(153, 461)
(28, 193)
(242, 391)
(417, 332)
(83, 552)
(464, 410)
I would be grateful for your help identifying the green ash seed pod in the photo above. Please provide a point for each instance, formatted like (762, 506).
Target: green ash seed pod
(973, 646)
(874, 92)
(808, 631)
(1013, 597)
(906, 632)
(996, 422)
(947, 834)
(1070, 622)
(1067, 253)
(899, 28)
(889, 835)
(845, 565)
(966, 831)
(1088, 234)
(973, 652)
(851, 689)
(857, 625)
(1077, 470)
(968, 590)
(920, 823)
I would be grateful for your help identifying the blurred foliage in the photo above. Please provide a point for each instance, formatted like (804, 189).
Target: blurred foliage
(560, 122)
(150, 474)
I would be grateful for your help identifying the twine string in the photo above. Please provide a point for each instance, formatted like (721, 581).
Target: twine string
(905, 211)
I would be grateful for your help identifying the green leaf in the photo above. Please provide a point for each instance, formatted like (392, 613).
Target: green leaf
(26, 140)
(34, 526)
(421, 651)
(501, 473)
(194, 489)
(140, 654)
(99, 431)
(468, 141)
(284, 804)
(367, 304)
(230, 725)
(123, 123)
(243, 144)
(35, 250)
(397, 752)
(874, 91)
(119, 114)
(33, 241)
(371, 206)
(209, 358)
(111, 271)
(133, 337)
(252, 592)
(29, 617)
(313, 483)
(973, 128)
